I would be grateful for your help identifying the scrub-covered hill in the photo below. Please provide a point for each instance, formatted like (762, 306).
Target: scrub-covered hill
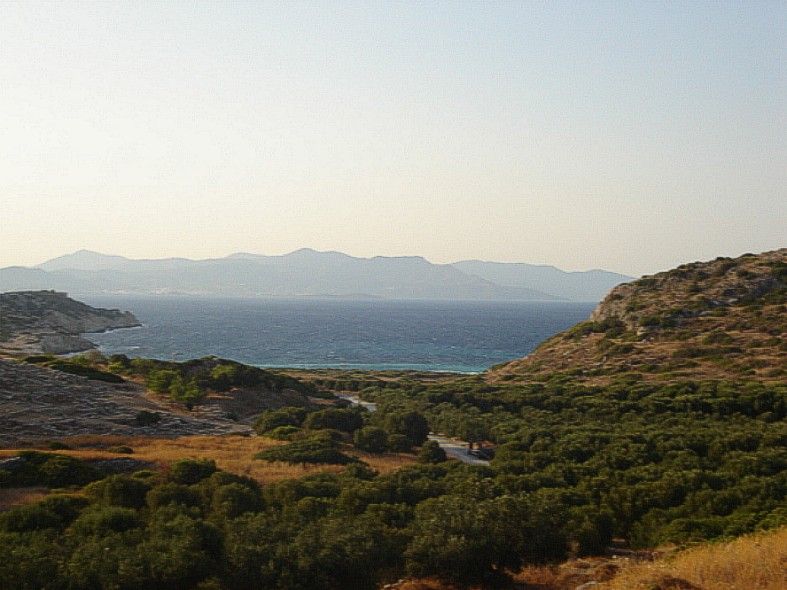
(723, 319)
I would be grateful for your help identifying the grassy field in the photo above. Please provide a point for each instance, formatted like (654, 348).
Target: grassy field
(752, 562)
(231, 453)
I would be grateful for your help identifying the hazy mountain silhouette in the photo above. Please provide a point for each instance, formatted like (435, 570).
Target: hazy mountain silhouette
(589, 285)
(306, 273)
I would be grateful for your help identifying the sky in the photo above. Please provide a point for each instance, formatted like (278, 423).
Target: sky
(630, 136)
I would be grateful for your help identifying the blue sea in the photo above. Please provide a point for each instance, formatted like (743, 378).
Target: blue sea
(310, 333)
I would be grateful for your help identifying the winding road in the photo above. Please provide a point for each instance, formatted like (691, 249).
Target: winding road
(454, 448)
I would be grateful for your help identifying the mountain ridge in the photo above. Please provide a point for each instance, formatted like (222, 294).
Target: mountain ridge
(302, 273)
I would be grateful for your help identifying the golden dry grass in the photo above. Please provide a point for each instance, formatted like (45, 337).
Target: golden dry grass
(753, 562)
(10, 497)
(231, 453)
(424, 584)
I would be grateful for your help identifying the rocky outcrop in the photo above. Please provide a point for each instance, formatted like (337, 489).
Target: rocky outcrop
(38, 403)
(721, 319)
(693, 290)
(52, 322)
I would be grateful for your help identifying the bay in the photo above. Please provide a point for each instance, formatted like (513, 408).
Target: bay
(349, 334)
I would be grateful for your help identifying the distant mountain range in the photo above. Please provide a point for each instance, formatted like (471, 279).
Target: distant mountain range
(309, 273)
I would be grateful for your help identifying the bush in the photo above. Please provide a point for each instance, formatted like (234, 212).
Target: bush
(345, 420)
(29, 518)
(411, 424)
(283, 432)
(187, 392)
(399, 443)
(190, 471)
(159, 380)
(431, 453)
(234, 499)
(119, 490)
(314, 449)
(371, 439)
(271, 419)
(172, 493)
(34, 468)
(106, 520)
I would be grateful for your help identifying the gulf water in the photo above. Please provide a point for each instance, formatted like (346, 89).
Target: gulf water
(348, 334)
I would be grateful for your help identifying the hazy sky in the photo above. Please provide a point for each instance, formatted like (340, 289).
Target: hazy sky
(627, 136)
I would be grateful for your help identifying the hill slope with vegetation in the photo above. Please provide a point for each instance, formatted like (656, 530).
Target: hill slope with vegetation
(723, 319)
(44, 397)
(583, 461)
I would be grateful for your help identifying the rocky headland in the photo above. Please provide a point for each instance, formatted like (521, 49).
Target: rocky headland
(51, 322)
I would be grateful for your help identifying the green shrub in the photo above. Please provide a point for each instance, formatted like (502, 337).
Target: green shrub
(172, 493)
(283, 432)
(234, 499)
(372, 439)
(159, 380)
(190, 471)
(399, 443)
(105, 520)
(431, 453)
(411, 424)
(29, 518)
(314, 449)
(346, 420)
(119, 490)
(271, 419)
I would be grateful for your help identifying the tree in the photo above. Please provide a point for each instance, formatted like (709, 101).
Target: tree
(431, 453)
(346, 420)
(190, 471)
(475, 541)
(411, 424)
(372, 439)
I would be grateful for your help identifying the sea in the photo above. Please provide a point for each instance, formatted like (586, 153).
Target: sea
(462, 337)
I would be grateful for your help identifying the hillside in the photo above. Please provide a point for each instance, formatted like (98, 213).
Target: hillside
(47, 398)
(303, 273)
(51, 322)
(580, 470)
(723, 319)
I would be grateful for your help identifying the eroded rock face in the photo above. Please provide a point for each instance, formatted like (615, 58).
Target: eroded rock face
(52, 322)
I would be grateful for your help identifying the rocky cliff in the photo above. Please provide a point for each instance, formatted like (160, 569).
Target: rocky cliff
(52, 322)
(722, 319)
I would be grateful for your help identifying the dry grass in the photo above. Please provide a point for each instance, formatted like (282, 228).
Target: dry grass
(753, 562)
(424, 584)
(10, 497)
(231, 453)
(567, 575)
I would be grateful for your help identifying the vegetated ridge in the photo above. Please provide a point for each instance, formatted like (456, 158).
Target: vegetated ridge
(723, 319)
(51, 322)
